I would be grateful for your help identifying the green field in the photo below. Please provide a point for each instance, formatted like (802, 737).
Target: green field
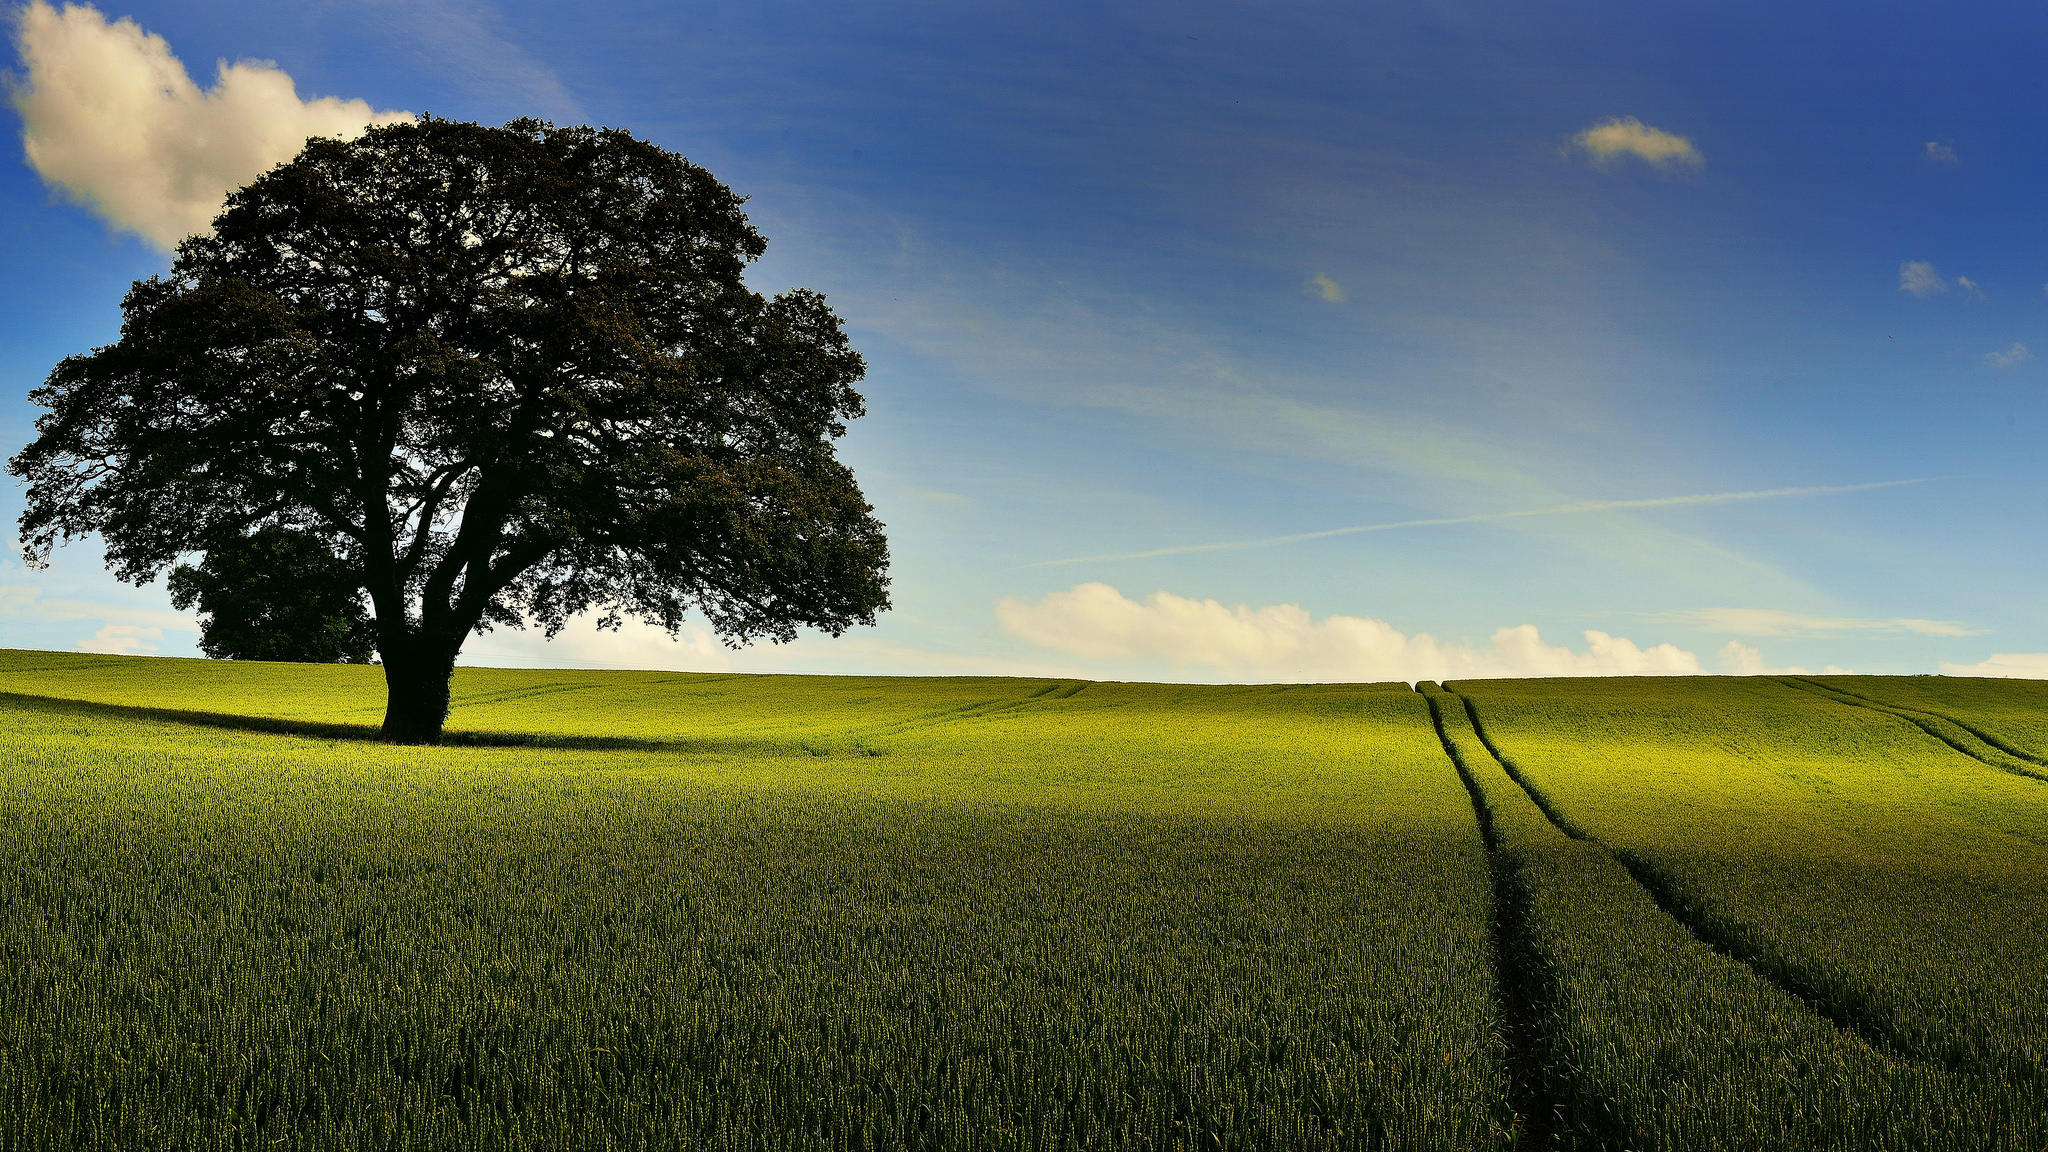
(664, 910)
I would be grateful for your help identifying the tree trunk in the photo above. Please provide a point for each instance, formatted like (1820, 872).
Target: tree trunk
(416, 700)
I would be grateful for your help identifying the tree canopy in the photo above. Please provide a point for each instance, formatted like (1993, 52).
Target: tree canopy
(277, 594)
(505, 375)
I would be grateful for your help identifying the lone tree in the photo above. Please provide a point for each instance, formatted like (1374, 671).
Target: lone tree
(277, 594)
(506, 374)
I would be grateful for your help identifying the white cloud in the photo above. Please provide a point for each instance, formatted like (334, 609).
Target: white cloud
(26, 600)
(1922, 279)
(1329, 290)
(2017, 354)
(1739, 659)
(111, 118)
(1610, 141)
(1939, 153)
(123, 640)
(122, 618)
(635, 644)
(2011, 665)
(937, 496)
(1770, 622)
(1282, 642)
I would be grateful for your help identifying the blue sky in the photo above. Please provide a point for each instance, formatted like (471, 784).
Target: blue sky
(1146, 280)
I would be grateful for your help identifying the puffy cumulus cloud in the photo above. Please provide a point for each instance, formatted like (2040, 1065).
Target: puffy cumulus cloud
(1920, 278)
(1283, 642)
(1739, 659)
(697, 648)
(1939, 153)
(1611, 141)
(1771, 622)
(2009, 357)
(123, 640)
(111, 118)
(1325, 288)
(582, 644)
(2010, 665)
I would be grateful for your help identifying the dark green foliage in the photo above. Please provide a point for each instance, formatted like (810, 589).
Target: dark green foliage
(276, 594)
(515, 373)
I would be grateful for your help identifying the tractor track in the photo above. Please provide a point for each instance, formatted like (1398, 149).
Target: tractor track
(1518, 971)
(1718, 936)
(2003, 755)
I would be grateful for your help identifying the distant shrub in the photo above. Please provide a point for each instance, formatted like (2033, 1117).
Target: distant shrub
(277, 594)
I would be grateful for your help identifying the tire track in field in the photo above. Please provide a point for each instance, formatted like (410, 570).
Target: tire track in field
(1517, 973)
(1719, 935)
(2001, 755)
(976, 710)
(1984, 734)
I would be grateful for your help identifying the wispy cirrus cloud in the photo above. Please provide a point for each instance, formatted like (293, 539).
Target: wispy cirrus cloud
(1579, 507)
(1938, 152)
(1772, 622)
(1611, 141)
(466, 42)
(111, 118)
(133, 628)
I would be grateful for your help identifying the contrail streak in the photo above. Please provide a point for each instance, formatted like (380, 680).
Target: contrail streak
(1485, 518)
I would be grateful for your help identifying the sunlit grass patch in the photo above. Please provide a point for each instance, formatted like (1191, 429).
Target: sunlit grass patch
(1151, 919)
